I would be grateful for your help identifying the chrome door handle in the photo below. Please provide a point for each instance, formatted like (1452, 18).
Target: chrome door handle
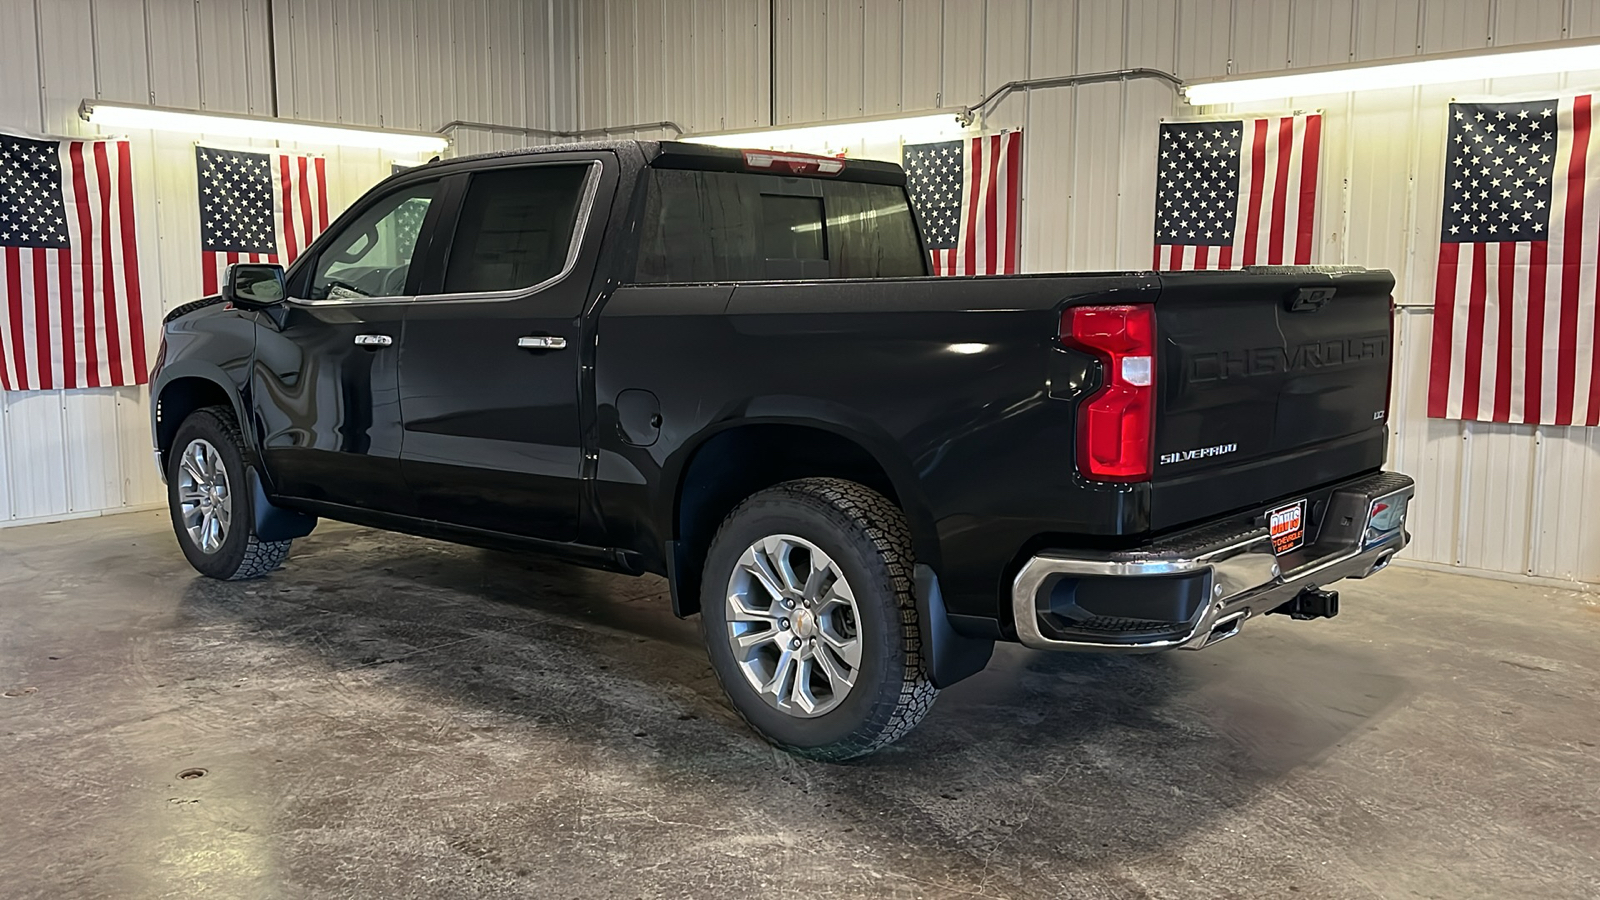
(373, 340)
(542, 342)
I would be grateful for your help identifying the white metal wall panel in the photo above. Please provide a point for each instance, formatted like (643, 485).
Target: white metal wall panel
(921, 54)
(1260, 35)
(230, 77)
(883, 72)
(172, 60)
(1387, 28)
(1205, 29)
(1006, 46)
(1321, 32)
(1456, 24)
(965, 33)
(843, 24)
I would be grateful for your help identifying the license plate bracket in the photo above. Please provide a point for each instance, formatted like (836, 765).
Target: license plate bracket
(1287, 526)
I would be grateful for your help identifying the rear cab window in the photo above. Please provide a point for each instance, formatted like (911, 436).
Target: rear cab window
(713, 226)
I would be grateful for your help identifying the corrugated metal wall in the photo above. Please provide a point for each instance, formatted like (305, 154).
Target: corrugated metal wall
(1503, 498)
(400, 63)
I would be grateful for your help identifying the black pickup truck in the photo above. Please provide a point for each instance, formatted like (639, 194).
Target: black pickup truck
(732, 368)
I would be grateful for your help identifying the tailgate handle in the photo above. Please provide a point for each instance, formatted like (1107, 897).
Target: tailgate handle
(1311, 299)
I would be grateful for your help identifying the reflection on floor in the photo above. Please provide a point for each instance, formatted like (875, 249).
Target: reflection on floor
(393, 717)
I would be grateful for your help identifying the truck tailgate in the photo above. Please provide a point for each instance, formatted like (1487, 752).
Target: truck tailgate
(1271, 381)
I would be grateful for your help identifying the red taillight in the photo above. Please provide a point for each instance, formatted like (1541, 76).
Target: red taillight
(793, 163)
(1116, 423)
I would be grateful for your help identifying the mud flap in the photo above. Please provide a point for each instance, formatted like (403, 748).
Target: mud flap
(951, 657)
(274, 523)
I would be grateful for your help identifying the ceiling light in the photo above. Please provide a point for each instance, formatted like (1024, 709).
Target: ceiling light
(122, 115)
(1443, 68)
(860, 136)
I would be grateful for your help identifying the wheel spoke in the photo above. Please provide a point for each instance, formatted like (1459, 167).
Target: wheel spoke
(848, 648)
(760, 566)
(780, 675)
(821, 572)
(800, 694)
(780, 553)
(752, 638)
(838, 679)
(742, 610)
(192, 467)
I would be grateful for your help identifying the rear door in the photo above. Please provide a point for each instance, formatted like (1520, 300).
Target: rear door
(1270, 381)
(490, 361)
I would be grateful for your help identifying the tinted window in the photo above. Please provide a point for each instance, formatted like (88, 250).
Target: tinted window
(515, 229)
(791, 227)
(371, 256)
(726, 226)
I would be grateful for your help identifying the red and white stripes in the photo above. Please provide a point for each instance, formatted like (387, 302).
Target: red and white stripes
(1514, 328)
(991, 222)
(73, 315)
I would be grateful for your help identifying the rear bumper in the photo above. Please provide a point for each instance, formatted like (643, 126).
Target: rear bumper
(1198, 587)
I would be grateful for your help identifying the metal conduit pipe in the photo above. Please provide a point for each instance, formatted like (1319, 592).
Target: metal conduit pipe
(547, 132)
(970, 113)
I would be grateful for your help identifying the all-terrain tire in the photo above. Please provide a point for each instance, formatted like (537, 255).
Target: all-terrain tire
(870, 540)
(241, 555)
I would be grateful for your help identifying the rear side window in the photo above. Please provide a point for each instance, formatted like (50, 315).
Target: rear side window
(515, 229)
(728, 226)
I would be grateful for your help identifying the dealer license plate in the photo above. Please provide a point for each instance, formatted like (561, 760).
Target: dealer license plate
(1287, 525)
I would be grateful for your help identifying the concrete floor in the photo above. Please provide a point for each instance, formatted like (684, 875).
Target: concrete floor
(392, 717)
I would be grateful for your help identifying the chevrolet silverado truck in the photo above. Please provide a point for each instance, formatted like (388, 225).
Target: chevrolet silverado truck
(733, 369)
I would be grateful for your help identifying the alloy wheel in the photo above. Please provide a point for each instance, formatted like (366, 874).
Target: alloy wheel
(792, 624)
(204, 495)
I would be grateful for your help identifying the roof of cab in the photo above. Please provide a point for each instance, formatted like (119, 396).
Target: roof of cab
(680, 155)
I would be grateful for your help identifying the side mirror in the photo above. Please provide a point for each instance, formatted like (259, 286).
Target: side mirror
(254, 285)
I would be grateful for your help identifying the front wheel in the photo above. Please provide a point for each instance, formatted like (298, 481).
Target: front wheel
(810, 618)
(209, 498)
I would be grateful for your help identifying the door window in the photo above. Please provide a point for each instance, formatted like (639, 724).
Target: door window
(516, 228)
(372, 256)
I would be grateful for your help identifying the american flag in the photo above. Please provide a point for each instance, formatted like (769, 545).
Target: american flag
(69, 266)
(967, 197)
(1237, 193)
(257, 207)
(1514, 324)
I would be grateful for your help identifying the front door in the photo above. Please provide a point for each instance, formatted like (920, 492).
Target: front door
(326, 381)
(490, 362)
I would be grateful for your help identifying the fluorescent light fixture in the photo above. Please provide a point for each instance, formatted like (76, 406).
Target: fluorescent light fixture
(158, 118)
(1442, 68)
(842, 135)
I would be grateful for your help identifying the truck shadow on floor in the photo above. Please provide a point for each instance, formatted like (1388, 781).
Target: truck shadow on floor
(1044, 762)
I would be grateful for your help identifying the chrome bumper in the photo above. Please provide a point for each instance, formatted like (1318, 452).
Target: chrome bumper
(1361, 528)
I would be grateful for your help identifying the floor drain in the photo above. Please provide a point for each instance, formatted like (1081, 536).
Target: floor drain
(191, 774)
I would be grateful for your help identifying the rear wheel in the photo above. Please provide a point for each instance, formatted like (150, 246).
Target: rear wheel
(810, 618)
(209, 499)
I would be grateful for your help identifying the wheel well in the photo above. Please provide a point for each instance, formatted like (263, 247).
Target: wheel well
(742, 461)
(178, 399)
